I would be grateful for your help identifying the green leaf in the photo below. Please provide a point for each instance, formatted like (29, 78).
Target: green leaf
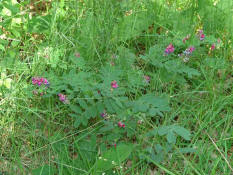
(140, 106)
(2, 47)
(100, 107)
(93, 111)
(113, 157)
(153, 111)
(108, 105)
(163, 130)
(15, 43)
(171, 137)
(13, 8)
(182, 132)
(76, 109)
(77, 123)
(16, 33)
(108, 127)
(83, 103)
(151, 133)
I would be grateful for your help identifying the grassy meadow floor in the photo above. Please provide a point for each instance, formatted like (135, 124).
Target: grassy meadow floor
(38, 133)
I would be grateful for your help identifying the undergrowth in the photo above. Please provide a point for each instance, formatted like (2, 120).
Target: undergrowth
(116, 87)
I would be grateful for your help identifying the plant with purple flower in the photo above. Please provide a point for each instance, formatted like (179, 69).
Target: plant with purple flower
(63, 98)
(170, 48)
(212, 47)
(39, 81)
(189, 51)
(114, 84)
(121, 125)
(201, 35)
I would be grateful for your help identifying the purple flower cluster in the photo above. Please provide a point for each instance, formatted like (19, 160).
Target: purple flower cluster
(121, 125)
(62, 97)
(39, 81)
(212, 47)
(189, 51)
(114, 84)
(170, 48)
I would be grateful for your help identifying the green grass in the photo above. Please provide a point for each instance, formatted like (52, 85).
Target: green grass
(37, 132)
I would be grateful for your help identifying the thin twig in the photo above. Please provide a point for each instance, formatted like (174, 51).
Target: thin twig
(68, 166)
(220, 152)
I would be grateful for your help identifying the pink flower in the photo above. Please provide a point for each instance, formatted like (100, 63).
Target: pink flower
(114, 84)
(39, 81)
(121, 125)
(202, 37)
(147, 78)
(45, 81)
(170, 48)
(212, 47)
(191, 49)
(62, 98)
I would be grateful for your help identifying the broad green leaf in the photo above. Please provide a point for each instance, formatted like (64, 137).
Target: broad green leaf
(75, 108)
(82, 103)
(108, 127)
(153, 111)
(108, 105)
(100, 107)
(113, 157)
(152, 133)
(163, 130)
(171, 137)
(2, 47)
(182, 132)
